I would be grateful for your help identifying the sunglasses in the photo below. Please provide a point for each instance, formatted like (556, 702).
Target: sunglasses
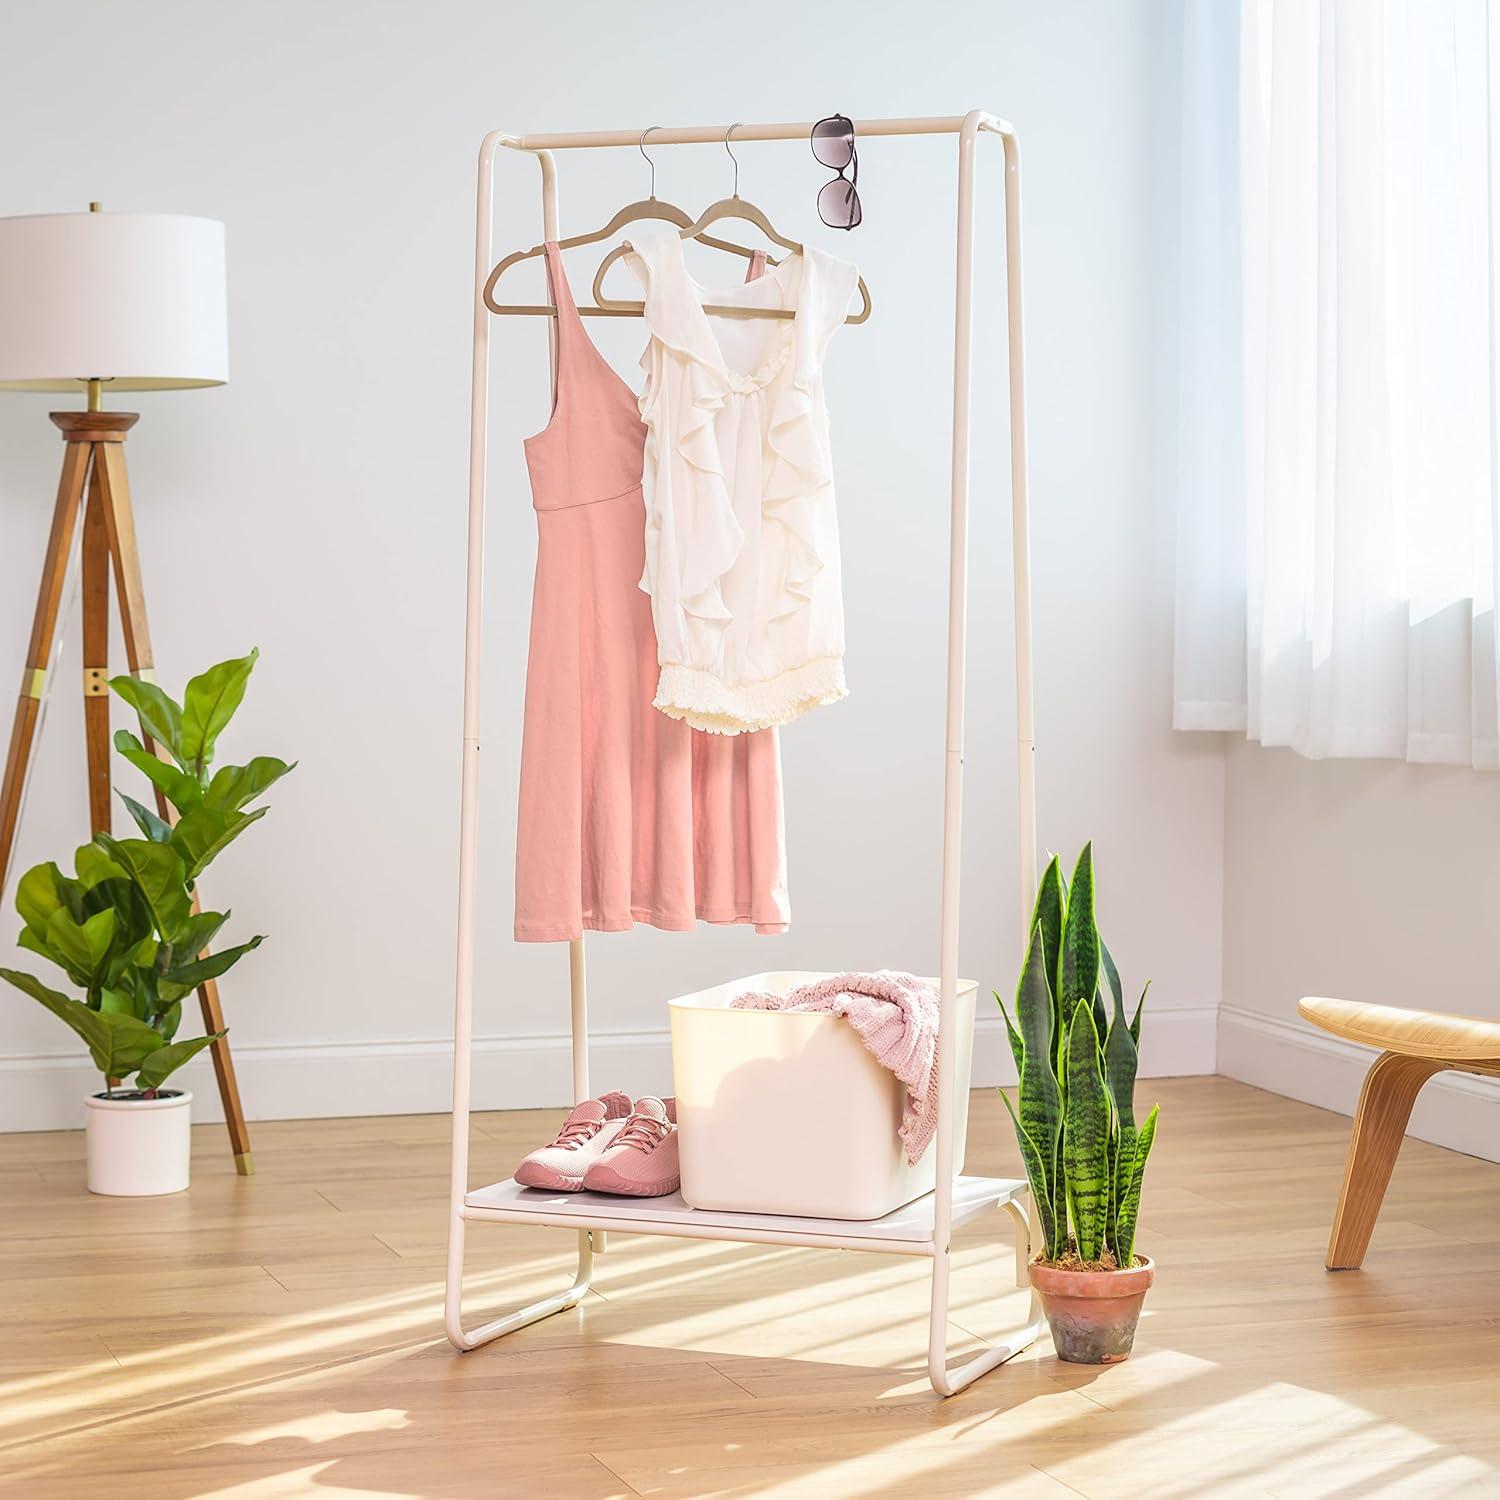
(833, 145)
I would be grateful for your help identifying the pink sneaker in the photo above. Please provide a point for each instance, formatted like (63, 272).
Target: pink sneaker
(641, 1162)
(589, 1129)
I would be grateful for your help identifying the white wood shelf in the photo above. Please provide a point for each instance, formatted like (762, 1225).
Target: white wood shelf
(906, 1231)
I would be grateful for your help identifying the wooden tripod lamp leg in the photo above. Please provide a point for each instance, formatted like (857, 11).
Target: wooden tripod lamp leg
(39, 652)
(119, 521)
(96, 654)
(95, 581)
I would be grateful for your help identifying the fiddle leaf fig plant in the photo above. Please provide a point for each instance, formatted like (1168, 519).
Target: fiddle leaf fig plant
(210, 808)
(123, 927)
(1077, 1054)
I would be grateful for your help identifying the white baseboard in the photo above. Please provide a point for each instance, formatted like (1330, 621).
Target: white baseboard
(1458, 1110)
(322, 1080)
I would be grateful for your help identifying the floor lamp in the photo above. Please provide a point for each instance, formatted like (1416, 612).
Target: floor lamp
(89, 302)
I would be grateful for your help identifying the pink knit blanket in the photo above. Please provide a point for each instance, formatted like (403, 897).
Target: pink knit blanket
(896, 1016)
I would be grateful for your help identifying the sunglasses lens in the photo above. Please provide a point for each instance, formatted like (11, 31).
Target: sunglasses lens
(833, 142)
(838, 205)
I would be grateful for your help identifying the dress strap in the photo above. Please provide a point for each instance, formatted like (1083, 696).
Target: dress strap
(562, 293)
(570, 334)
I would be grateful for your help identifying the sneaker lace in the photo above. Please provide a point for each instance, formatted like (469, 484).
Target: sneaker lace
(576, 1132)
(645, 1132)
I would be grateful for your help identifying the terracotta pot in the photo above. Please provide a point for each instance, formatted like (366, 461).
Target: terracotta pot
(1093, 1314)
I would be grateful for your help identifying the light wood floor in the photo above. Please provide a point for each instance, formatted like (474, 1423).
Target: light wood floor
(281, 1336)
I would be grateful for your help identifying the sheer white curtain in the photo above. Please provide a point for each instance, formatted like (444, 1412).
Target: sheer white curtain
(1340, 455)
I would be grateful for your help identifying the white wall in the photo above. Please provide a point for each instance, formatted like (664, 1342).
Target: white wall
(315, 506)
(1370, 880)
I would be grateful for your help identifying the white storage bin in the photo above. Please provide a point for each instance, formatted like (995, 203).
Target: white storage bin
(788, 1112)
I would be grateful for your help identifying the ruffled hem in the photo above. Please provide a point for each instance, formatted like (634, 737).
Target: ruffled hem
(701, 700)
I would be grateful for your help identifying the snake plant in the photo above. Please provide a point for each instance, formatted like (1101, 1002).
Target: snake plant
(1076, 1056)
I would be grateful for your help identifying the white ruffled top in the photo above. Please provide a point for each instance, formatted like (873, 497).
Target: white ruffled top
(742, 548)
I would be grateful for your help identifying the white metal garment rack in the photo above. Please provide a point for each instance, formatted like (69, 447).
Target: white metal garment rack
(923, 1228)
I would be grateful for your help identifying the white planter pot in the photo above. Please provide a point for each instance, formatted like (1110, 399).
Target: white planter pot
(138, 1148)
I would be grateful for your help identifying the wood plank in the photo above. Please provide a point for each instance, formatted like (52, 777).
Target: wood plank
(280, 1335)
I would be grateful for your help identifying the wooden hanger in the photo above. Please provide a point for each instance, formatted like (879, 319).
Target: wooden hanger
(651, 207)
(733, 207)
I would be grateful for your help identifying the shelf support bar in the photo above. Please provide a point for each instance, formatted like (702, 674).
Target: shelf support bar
(488, 1332)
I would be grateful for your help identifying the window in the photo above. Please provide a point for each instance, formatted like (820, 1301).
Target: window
(1337, 548)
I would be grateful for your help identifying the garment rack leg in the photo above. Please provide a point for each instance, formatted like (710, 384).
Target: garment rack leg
(588, 1242)
(948, 1382)
(944, 1381)
(498, 1327)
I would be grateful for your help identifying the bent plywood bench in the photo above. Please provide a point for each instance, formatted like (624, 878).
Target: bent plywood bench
(1414, 1044)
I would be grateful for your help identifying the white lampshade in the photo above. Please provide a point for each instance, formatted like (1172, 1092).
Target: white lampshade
(135, 299)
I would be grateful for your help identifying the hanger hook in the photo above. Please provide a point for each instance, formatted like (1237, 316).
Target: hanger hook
(732, 156)
(641, 147)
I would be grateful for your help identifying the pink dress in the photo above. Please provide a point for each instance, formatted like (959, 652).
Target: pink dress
(625, 815)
